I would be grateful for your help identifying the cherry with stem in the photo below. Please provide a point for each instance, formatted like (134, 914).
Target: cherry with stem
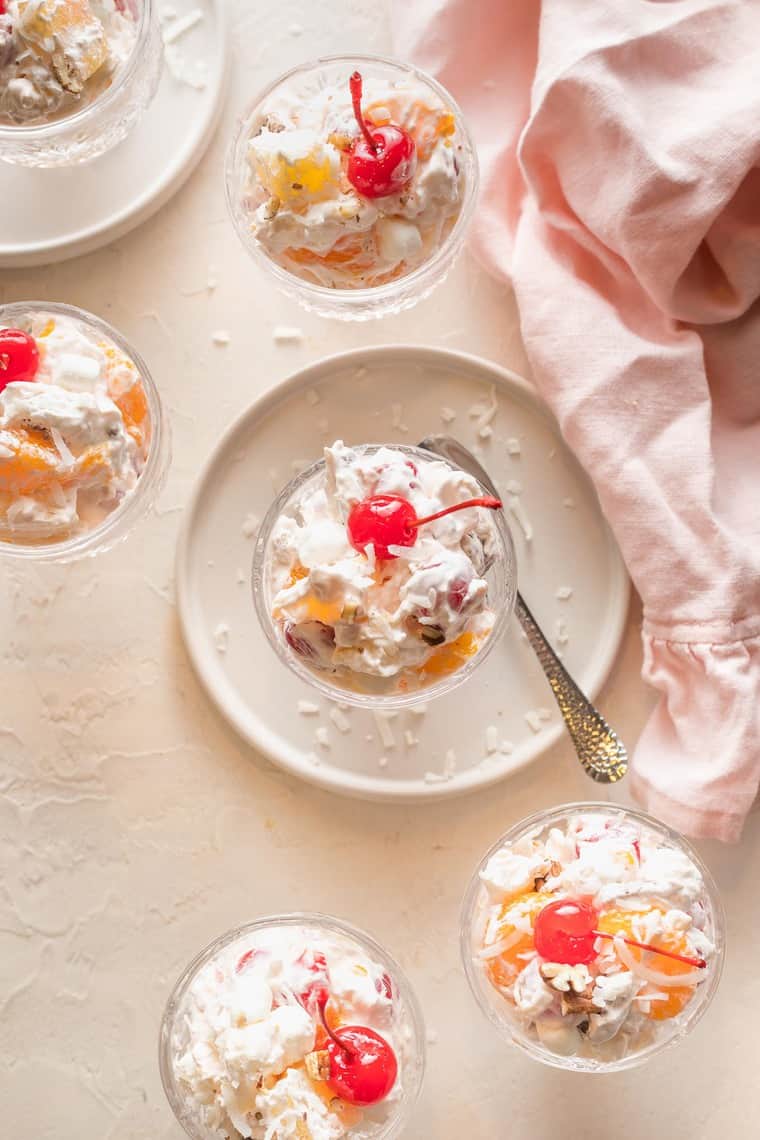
(391, 520)
(566, 931)
(381, 161)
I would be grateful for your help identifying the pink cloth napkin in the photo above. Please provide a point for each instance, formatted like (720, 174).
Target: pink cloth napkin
(620, 150)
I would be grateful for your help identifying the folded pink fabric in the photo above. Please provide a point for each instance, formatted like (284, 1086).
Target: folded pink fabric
(620, 152)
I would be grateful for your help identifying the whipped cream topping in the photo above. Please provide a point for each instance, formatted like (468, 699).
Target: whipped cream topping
(307, 215)
(644, 887)
(242, 1034)
(56, 55)
(382, 626)
(74, 440)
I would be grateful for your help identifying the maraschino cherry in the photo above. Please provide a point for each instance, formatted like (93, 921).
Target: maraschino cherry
(391, 520)
(363, 1067)
(19, 355)
(382, 160)
(566, 931)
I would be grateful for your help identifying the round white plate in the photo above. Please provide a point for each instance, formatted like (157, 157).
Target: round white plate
(382, 395)
(50, 215)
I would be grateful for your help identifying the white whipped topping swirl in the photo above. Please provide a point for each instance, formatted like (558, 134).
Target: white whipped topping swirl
(391, 625)
(242, 1034)
(74, 439)
(308, 216)
(56, 55)
(643, 887)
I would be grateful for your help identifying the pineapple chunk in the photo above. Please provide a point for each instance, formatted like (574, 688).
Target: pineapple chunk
(70, 33)
(295, 167)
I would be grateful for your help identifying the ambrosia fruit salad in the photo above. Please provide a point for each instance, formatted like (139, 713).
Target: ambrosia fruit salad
(58, 55)
(294, 1031)
(75, 428)
(353, 183)
(375, 569)
(595, 935)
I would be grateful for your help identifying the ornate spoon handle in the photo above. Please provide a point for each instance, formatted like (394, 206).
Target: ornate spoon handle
(601, 753)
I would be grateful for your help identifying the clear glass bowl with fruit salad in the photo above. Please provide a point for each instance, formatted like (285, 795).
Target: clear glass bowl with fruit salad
(75, 76)
(364, 595)
(352, 180)
(84, 440)
(293, 1026)
(592, 937)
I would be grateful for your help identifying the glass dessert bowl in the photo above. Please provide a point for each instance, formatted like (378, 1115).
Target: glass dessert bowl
(592, 937)
(383, 575)
(75, 76)
(296, 1026)
(84, 446)
(353, 179)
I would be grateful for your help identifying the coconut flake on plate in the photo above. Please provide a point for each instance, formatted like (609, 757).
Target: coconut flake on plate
(308, 708)
(287, 334)
(384, 730)
(221, 637)
(340, 720)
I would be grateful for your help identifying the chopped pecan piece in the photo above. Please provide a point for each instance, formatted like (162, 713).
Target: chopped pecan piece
(548, 870)
(566, 978)
(579, 1002)
(318, 1065)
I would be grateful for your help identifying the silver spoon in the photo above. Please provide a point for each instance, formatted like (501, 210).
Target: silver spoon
(602, 754)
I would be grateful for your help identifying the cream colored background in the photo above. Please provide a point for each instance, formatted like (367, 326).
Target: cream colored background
(135, 826)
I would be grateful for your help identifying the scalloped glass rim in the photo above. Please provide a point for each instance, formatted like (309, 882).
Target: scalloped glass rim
(378, 300)
(505, 562)
(119, 523)
(416, 1069)
(493, 1007)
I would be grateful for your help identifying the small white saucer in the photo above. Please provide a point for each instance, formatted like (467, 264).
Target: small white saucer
(51, 215)
(505, 716)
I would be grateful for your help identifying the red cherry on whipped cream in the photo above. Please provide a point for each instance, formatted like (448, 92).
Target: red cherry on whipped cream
(363, 1067)
(565, 932)
(19, 355)
(391, 520)
(382, 160)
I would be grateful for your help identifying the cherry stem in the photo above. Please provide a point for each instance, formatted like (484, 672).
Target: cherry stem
(490, 503)
(331, 1032)
(355, 83)
(698, 962)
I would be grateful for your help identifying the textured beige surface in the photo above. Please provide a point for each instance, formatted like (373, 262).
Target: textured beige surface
(135, 827)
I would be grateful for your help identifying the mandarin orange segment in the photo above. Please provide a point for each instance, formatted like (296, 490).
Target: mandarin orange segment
(297, 573)
(133, 405)
(622, 922)
(350, 1115)
(90, 465)
(346, 250)
(326, 612)
(32, 464)
(505, 968)
(448, 658)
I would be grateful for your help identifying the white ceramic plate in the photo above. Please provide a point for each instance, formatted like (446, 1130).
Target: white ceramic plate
(50, 215)
(382, 395)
